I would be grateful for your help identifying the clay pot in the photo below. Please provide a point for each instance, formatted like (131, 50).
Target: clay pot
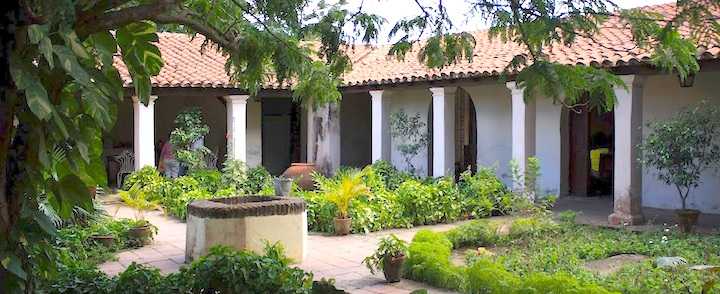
(342, 226)
(142, 234)
(687, 219)
(106, 241)
(392, 267)
(301, 173)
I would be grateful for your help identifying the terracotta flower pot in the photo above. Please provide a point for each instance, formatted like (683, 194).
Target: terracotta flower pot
(342, 226)
(301, 173)
(687, 219)
(392, 268)
(106, 241)
(142, 234)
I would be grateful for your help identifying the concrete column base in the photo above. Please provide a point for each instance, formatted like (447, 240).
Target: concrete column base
(619, 218)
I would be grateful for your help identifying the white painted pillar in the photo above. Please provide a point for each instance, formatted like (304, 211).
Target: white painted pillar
(324, 137)
(380, 142)
(627, 185)
(443, 125)
(237, 126)
(523, 128)
(144, 132)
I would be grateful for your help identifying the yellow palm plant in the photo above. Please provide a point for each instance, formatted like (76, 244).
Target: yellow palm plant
(135, 198)
(348, 188)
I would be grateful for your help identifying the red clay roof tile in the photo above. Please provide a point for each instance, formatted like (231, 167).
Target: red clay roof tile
(187, 66)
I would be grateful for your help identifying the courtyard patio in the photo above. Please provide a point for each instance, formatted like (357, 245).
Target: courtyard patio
(340, 257)
(332, 257)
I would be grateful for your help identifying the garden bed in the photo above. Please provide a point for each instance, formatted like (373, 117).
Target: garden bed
(544, 256)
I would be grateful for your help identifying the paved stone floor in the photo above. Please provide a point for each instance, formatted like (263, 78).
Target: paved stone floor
(595, 211)
(328, 256)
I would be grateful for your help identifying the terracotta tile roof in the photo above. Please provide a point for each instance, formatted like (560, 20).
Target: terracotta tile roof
(186, 66)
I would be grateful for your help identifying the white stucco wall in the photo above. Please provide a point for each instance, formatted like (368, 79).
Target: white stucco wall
(412, 101)
(662, 97)
(494, 126)
(547, 145)
(254, 132)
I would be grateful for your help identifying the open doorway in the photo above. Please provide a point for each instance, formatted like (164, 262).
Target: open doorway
(280, 134)
(465, 133)
(591, 147)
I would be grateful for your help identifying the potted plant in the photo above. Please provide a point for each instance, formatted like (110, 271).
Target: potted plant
(389, 257)
(681, 149)
(103, 236)
(341, 193)
(141, 231)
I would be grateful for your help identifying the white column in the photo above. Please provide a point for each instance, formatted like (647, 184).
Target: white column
(443, 125)
(144, 132)
(237, 126)
(379, 129)
(627, 185)
(523, 128)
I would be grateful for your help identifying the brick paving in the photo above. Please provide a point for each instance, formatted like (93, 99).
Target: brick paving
(333, 257)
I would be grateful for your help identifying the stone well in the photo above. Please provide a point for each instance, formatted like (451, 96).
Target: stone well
(246, 222)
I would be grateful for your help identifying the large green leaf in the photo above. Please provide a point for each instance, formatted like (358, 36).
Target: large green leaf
(68, 61)
(72, 41)
(141, 56)
(35, 93)
(13, 264)
(70, 192)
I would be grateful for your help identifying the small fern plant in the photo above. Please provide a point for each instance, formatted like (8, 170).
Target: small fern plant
(349, 187)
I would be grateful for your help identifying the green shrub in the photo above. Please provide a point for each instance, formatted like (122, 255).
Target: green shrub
(139, 279)
(320, 212)
(429, 203)
(391, 177)
(475, 233)
(567, 216)
(233, 174)
(225, 270)
(532, 226)
(146, 176)
(376, 212)
(74, 243)
(257, 180)
(560, 283)
(484, 194)
(78, 277)
(226, 192)
(485, 276)
(208, 179)
(429, 261)
(178, 206)
(418, 201)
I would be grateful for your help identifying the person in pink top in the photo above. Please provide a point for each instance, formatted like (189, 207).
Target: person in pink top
(168, 163)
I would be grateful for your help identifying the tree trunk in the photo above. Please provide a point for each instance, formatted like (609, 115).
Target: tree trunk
(9, 203)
